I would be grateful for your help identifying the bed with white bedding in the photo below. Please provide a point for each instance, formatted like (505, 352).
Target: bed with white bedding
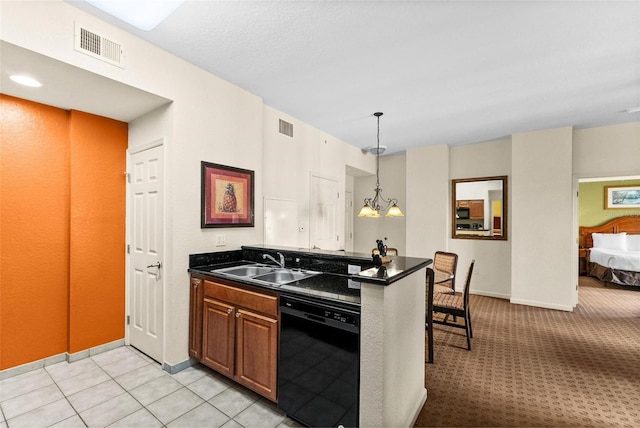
(616, 259)
(614, 250)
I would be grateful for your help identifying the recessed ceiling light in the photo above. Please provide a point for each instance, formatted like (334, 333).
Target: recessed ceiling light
(633, 110)
(142, 14)
(25, 80)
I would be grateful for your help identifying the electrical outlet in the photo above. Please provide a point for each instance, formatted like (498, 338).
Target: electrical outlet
(221, 240)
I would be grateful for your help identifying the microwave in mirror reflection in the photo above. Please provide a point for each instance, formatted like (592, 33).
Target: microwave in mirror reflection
(462, 213)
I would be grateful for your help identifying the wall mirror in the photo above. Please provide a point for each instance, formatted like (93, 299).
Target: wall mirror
(479, 208)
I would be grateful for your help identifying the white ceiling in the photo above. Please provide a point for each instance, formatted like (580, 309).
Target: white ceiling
(442, 72)
(68, 87)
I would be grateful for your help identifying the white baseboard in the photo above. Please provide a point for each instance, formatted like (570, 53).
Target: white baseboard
(175, 368)
(525, 302)
(419, 405)
(546, 305)
(490, 294)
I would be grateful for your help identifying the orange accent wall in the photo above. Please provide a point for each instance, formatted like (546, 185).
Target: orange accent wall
(61, 231)
(97, 230)
(34, 218)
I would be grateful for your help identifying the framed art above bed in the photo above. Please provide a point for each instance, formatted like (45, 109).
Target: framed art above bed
(621, 197)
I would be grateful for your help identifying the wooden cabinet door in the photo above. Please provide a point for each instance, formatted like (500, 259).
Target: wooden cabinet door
(195, 319)
(218, 336)
(476, 208)
(257, 352)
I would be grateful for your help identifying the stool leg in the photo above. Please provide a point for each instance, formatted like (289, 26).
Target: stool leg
(467, 324)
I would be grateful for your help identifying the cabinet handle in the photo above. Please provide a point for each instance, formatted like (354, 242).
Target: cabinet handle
(237, 314)
(229, 310)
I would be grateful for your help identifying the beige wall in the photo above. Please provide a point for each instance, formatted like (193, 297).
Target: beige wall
(542, 252)
(607, 151)
(428, 199)
(492, 271)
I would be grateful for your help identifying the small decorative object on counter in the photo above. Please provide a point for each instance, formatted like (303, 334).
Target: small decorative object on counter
(382, 272)
(377, 260)
(380, 255)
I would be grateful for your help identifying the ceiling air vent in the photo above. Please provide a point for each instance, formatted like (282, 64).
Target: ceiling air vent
(286, 128)
(97, 46)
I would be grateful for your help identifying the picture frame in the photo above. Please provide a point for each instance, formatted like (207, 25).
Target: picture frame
(227, 196)
(621, 197)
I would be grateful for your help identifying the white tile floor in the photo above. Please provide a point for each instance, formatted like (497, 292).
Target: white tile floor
(125, 388)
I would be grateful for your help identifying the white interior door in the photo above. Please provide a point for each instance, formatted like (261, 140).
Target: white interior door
(323, 231)
(348, 221)
(145, 298)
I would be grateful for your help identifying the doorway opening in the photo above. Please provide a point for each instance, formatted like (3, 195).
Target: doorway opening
(592, 210)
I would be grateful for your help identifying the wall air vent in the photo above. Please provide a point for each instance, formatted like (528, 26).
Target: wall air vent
(97, 46)
(286, 128)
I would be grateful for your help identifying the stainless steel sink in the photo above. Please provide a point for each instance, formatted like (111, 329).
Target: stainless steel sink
(244, 271)
(285, 276)
(267, 274)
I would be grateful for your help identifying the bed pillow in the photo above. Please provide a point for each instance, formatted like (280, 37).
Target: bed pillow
(633, 242)
(610, 241)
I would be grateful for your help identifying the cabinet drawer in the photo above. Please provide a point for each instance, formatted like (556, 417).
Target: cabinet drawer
(263, 303)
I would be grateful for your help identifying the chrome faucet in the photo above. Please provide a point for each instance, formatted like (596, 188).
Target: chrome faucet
(270, 257)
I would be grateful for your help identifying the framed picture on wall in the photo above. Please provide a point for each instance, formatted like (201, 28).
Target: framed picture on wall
(621, 197)
(226, 196)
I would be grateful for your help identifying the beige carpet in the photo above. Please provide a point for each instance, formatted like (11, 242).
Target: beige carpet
(533, 367)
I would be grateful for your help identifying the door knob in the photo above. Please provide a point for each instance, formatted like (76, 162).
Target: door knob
(156, 265)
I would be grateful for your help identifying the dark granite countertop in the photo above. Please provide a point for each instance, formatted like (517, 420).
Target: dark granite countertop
(325, 286)
(341, 271)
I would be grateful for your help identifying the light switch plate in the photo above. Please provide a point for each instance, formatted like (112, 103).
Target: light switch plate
(221, 240)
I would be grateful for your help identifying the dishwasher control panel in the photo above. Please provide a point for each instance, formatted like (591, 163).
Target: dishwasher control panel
(319, 311)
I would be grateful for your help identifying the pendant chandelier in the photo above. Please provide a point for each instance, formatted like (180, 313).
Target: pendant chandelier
(373, 206)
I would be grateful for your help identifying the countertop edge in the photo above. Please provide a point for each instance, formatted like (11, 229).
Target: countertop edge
(387, 281)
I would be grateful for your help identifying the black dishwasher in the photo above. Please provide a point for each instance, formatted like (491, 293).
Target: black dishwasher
(319, 362)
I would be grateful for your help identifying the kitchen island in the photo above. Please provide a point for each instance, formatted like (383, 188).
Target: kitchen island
(390, 299)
